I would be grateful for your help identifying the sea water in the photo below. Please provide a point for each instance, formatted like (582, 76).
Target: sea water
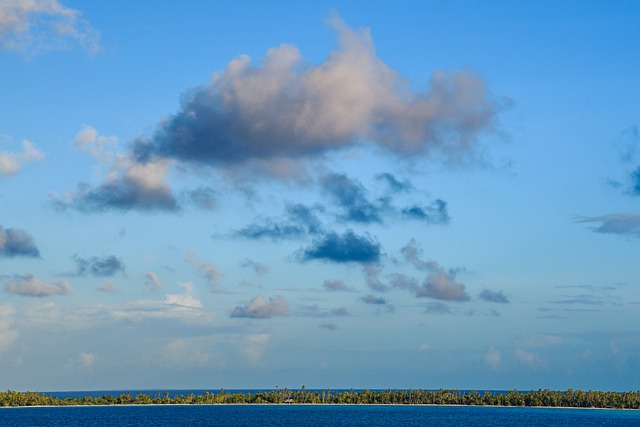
(314, 415)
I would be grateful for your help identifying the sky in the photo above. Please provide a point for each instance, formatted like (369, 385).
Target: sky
(333, 194)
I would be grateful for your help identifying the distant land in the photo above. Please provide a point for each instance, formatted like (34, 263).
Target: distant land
(541, 398)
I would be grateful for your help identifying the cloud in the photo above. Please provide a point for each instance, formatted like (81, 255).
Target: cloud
(203, 198)
(34, 27)
(395, 185)
(343, 248)
(620, 223)
(435, 213)
(437, 308)
(99, 267)
(372, 299)
(265, 116)
(7, 335)
(210, 273)
(329, 326)
(372, 277)
(108, 286)
(259, 308)
(491, 296)
(12, 162)
(16, 242)
(30, 286)
(340, 311)
(128, 186)
(299, 221)
(351, 196)
(336, 285)
(87, 359)
(185, 299)
(259, 268)
(493, 358)
(440, 283)
(152, 281)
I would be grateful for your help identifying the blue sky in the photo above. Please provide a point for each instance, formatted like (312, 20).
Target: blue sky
(329, 194)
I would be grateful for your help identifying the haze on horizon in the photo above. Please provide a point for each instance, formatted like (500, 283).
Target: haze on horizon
(335, 194)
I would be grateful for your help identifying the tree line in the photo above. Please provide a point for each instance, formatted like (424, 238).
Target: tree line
(540, 398)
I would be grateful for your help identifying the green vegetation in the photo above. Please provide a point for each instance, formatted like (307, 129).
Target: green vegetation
(568, 398)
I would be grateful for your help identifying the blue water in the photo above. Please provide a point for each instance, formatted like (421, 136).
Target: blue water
(313, 415)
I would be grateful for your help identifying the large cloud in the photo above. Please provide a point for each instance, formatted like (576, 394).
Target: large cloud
(343, 248)
(12, 162)
(15, 242)
(36, 26)
(620, 223)
(281, 109)
(30, 286)
(259, 308)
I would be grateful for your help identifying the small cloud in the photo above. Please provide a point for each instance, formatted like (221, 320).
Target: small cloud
(620, 223)
(259, 308)
(340, 311)
(336, 286)
(329, 326)
(299, 221)
(372, 299)
(424, 346)
(38, 26)
(343, 248)
(435, 213)
(87, 359)
(98, 267)
(395, 185)
(441, 285)
(493, 358)
(152, 281)
(186, 299)
(437, 308)
(210, 273)
(351, 197)
(15, 242)
(372, 277)
(30, 286)
(108, 286)
(259, 268)
(13, 162)
(491, 296)
(203, 198)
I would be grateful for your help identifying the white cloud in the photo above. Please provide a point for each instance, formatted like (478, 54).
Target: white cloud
(87, 359)
(259, 308)
(12, 162)
(493, 358)
(32, 27)
(7, 335)
(30, 286)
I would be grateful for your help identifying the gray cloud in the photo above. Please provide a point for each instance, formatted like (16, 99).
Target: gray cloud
(30, 286)
(372, 277)
(635, 182)
(259, 268)
(491, 296)
(437, 308)
(203, 198)
(336, 285)
(16, 242)
(620, 223)
(342, 248)
(395, 185)
(435, 213)
(299, 221)
(412, 253)
(372, 299)
(351, 196)
(259, 308)
(329, 326)
(209, 272)
(98, 267)
(264, 116)
(38, 26)
(152, 281)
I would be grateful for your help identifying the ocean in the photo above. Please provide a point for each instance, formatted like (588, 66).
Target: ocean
(314, 415)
